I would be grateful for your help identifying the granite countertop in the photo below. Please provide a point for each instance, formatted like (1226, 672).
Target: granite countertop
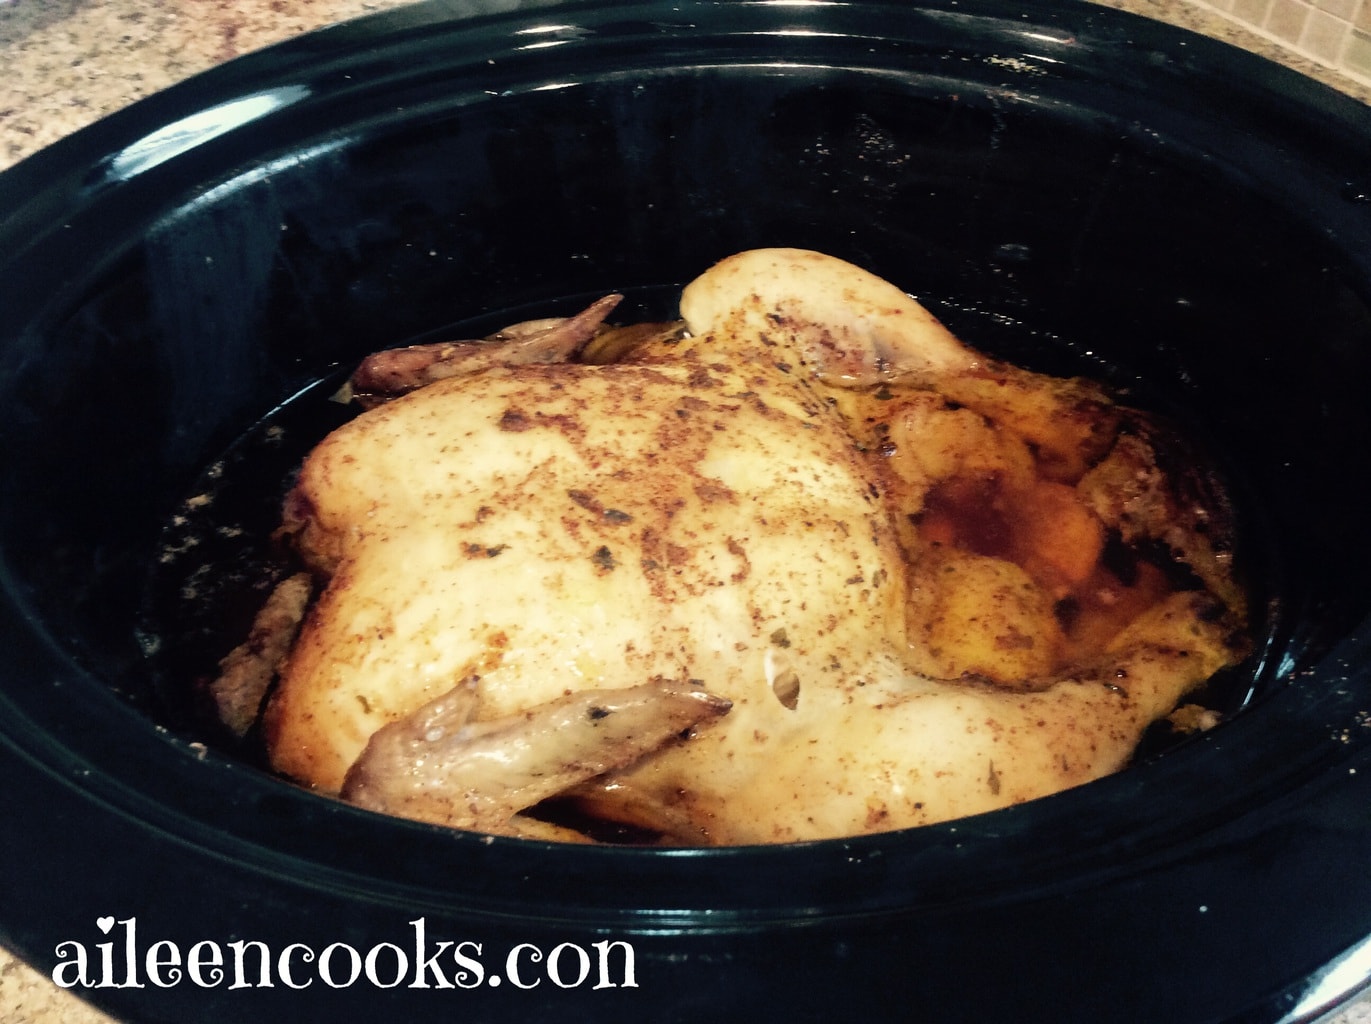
(69, 62)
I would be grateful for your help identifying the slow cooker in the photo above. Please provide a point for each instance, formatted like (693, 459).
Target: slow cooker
(1074, 188)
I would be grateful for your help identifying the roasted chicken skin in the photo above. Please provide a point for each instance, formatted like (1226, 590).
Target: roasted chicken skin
(874, 564)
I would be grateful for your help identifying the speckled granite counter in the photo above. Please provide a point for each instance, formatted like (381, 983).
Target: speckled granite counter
(67, 63)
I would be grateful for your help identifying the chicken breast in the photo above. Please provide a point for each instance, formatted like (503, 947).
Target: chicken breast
(750, 512)
(560, 529)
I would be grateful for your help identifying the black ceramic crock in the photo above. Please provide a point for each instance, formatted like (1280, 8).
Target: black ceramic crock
(1068, 186)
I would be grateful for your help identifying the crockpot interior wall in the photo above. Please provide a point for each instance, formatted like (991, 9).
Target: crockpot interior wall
(1041, 228)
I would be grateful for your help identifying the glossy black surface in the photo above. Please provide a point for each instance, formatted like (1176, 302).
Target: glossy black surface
(1065, 185)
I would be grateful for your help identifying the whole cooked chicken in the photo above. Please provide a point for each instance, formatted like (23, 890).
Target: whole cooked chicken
(800, 566)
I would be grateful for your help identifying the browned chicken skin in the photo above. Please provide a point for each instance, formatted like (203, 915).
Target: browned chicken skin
(417, 765)
(884, 557)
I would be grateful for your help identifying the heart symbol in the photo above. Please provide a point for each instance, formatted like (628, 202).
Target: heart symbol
(105, 923)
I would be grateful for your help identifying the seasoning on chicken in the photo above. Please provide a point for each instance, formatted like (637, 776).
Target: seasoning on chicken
(417, 766)
(915, 583)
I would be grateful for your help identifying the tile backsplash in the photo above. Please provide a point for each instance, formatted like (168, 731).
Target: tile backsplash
(1334, 33)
